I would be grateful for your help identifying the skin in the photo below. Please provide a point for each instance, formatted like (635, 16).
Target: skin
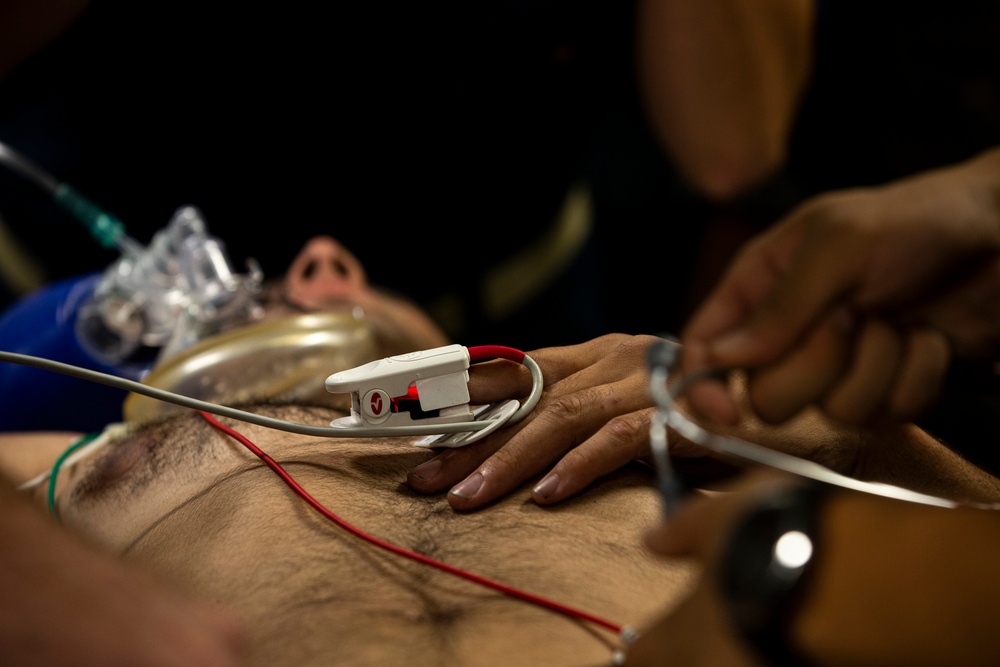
(859, 300)
(154, 623)
(831, 314)
(695, 630)
(326, 275)
(723, 114)
(587, 447)
(159, 625)
(853, 307)
(594, 418)
(118, 507)
(177, 522)
(918, 613)
(203, 515)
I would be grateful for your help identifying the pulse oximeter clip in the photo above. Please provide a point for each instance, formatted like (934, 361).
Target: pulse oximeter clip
(417, 391)
(421, 393)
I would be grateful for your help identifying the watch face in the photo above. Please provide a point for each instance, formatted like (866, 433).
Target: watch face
(766, 558)
(765, 567)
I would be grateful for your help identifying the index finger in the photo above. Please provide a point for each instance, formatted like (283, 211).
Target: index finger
(806, 268)
(744, 285)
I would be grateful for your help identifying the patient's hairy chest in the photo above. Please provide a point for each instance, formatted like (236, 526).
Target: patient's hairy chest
(313, 592)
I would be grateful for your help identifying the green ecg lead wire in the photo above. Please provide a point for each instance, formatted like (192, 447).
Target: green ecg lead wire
(58, 464)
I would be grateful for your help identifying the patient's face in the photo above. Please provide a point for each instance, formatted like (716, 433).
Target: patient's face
(325, 275)
(322, 317)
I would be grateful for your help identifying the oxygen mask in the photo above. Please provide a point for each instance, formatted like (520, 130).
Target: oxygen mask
(163, 298)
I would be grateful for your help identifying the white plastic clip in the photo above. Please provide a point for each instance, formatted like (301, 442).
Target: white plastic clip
(497, 414)
(414, 392)
(425, 387)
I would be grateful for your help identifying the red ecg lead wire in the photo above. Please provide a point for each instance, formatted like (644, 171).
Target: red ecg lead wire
(510, 591)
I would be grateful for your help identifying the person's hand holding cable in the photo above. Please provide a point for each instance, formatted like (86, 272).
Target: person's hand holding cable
(699, 629)
(857, 300)
(594, 417)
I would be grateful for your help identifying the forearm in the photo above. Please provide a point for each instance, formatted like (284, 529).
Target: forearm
(899, 454)
(909, 457)
(902, 584)
(24, 455)
(720, 81)
(61, 595)
(24, 528)
(984, 169)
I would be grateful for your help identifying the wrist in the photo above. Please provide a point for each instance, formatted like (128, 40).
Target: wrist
(901, 584)
(767, 566)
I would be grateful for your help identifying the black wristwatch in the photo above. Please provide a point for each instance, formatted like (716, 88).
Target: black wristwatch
(765, 568)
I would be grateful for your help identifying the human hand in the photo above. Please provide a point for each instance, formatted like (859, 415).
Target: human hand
(856, 301)
(64, 601)
(699, 630)
(592, 419)
(857, 606)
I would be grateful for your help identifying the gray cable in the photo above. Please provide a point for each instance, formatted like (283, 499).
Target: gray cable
(305, 429)
(745, 451)
(28, 169)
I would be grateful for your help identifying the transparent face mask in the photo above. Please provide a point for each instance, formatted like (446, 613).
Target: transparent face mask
(176, 316)
(283, 360)
(167, 296)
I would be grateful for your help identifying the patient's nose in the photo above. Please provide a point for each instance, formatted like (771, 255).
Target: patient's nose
(323, 271)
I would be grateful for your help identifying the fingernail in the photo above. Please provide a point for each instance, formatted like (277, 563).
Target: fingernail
(468, 487)
(547, 486)
(732, 344)
(427, 470)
